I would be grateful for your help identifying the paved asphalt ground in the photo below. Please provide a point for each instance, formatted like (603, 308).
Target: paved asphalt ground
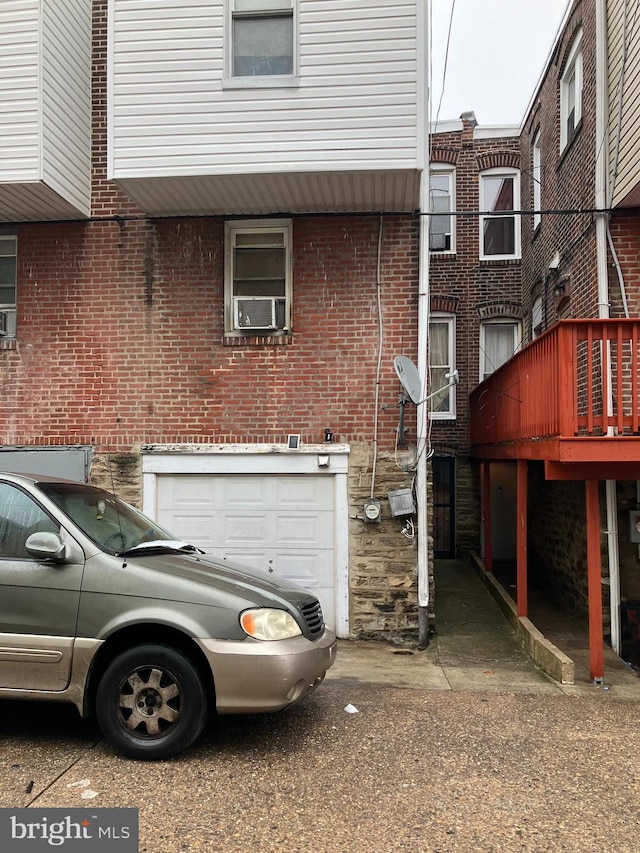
(463, 747)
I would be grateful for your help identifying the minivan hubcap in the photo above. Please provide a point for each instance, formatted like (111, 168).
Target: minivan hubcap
(149, 702)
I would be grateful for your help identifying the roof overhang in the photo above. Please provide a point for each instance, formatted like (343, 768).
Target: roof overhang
(393, 191)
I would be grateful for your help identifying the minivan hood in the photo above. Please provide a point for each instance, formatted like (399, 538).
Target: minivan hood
(188, 578)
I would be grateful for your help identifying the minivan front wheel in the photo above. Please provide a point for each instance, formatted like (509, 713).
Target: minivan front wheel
(151, 703)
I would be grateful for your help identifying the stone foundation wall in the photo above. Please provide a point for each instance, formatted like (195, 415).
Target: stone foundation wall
(120, 473)
(383, 576)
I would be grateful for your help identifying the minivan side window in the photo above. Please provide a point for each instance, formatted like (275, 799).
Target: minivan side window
(20, 516)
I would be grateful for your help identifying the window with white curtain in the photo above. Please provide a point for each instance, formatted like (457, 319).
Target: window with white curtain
(536, 317)
(499, 340)
(442, 405)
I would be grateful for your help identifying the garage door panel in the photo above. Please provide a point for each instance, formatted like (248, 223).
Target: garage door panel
(310, 569)
(195, 528)
(312, 493)
(243, 491)
(178, 493)
(248, 528)
(298, 529)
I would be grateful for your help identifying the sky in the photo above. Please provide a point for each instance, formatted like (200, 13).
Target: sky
(497, 51)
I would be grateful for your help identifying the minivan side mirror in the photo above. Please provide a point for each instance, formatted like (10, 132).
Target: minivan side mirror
(46, 546)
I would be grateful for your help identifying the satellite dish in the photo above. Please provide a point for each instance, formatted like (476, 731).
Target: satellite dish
(409, 377)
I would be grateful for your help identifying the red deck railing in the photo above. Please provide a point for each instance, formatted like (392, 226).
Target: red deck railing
(580, 378)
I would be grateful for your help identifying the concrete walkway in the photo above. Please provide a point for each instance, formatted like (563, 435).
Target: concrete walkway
(476, 648)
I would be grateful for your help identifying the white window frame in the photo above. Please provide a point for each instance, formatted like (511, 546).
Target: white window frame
(8, 310)
(450, 173)
(536, 318)
(450, 321)
(571, 93)
(234, 227)
(536, 174)
(513, 174)
(232, 7)
(497, 321)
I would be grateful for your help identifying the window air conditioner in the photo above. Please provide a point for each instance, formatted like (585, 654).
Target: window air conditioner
(437, 242)
(254, 312)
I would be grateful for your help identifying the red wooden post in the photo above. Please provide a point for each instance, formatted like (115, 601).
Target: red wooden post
(594, 581)
(488, 554)
(521, 537)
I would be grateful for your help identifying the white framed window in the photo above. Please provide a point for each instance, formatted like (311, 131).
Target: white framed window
(499, 225)
(442, 237)
(571, 93)
(499, 340)
(261, 42)
(8, 285)
(442, 348)
(536, 318)
(258, 276)
(536, 177)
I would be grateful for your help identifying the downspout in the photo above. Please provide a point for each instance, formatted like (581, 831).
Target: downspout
(424, 12)
(602, 115)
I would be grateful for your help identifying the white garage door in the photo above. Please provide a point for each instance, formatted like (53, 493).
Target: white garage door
(282, 524)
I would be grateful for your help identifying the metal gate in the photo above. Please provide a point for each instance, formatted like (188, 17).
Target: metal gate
(444, 505)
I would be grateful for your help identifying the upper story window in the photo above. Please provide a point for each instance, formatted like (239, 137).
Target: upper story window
(257, 277)
(536, 176)
(441, 204)
(499, 340)
(442, 329)
(500, 226)
(571, 93)
(8, 285)
(261, 40)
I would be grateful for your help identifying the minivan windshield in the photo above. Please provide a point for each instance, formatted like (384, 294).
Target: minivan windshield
(112, 524)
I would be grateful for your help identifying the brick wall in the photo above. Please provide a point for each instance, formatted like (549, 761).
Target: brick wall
(121, 343)
(472, 290)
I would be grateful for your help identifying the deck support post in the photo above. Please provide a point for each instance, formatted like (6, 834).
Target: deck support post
(594, 582)
(521, 537)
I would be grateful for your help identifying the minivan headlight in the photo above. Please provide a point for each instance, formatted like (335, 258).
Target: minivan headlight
(267, 623)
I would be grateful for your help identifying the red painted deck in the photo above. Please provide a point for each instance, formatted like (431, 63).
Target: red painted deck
(553, 401)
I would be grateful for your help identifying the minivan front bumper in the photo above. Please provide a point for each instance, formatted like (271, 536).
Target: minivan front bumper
(254, 676)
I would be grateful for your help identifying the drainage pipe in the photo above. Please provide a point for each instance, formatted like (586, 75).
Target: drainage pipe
(602, 127)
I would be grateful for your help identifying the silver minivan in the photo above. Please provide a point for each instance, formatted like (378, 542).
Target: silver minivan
(102, 608)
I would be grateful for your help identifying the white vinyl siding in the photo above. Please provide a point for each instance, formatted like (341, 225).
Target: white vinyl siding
(355, 106)
(19, 94)
(623, 76)
(45, 108)
(66, 106)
